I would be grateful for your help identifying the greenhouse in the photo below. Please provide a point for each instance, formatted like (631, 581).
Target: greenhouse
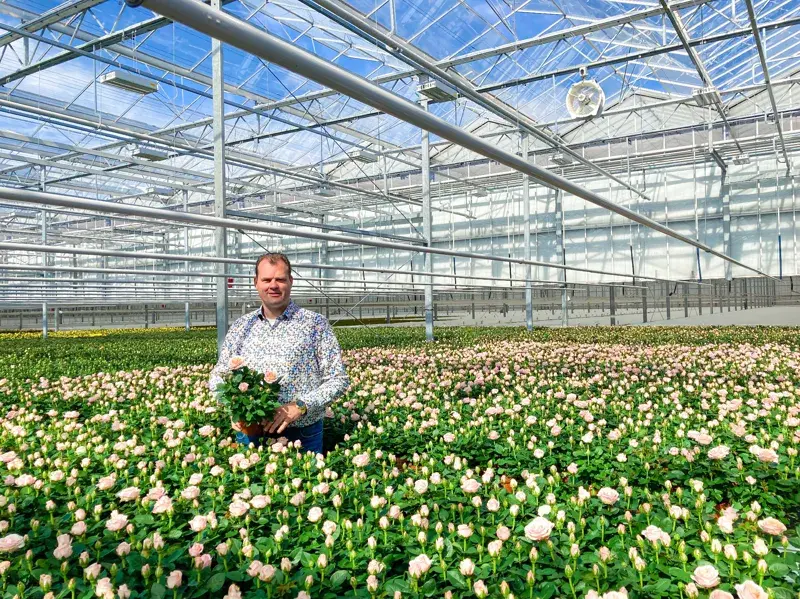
(391, 298)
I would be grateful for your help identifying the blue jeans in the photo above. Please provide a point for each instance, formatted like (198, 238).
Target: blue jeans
(310, 436)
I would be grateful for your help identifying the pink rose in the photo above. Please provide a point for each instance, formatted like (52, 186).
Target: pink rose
(421, 486)
(470, 485)
(11, 543)
(706, 577)
(198, 523)
(608, 495)
(314, 514)
(361, 460)
(117, 521)
(418, 566)
(236, 362)
(128, 494)
(163, 505)
(78, 529)
(238, 508)
(174, 579)
(538, 529)
(750, 590)
(771, 526)
(719, 452)
(196, 550)
(243, 386)
(270, 377)
(720, 594)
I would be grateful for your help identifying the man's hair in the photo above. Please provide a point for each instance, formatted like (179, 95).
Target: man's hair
(274, 258)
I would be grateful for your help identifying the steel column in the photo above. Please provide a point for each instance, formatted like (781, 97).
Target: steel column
(220, 232)
(427, 226)
(612, 305)
(526, 216)
(187, 312)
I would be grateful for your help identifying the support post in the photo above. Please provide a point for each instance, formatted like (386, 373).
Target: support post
(685, 300)
(744, 294)
(45, 258)
(667, 298)
(186, 313)
(146, 317)
(526, 215)
(562, 274)
(644, 303)
(220, 233)
(612, 306)
(700, 300)
(427, 227)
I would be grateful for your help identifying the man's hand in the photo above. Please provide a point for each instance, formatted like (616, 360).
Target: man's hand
(284, 416)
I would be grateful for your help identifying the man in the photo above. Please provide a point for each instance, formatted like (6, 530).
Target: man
(298, 345)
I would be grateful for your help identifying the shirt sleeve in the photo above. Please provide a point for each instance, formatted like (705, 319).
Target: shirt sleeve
(332, 371)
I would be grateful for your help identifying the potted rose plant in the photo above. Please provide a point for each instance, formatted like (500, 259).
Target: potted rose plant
(251, 397)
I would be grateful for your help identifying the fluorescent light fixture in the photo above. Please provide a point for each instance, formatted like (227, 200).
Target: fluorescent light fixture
(561, 159)
(160, 191)
(361, 155)
(436, 91)
(129, 82)
(149, 153)
(325, 192)
(706, 96)
(741, 159)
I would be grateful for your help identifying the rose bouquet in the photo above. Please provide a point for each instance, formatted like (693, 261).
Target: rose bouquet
(251, 397)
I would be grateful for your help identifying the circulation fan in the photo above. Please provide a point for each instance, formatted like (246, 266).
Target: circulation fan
(585, 99)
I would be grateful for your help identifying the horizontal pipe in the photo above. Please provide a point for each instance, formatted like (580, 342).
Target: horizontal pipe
(51, 199)
(31, 247)
(247, 37)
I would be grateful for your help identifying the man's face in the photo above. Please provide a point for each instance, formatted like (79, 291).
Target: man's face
(274, 285)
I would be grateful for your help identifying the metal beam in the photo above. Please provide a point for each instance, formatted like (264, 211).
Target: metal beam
(54, 15)
(51, 199)
(25, 247)
(683, 36)
(762, 56)
(249, 38)
(220, 232)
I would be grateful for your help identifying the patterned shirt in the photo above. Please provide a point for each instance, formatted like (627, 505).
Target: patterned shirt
(299, 347)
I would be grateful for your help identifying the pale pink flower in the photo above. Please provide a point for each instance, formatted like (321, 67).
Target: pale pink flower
(243, 386)
(79, 528)
(233, 593)
(238, 508)
(466, 567)
(418, 566)
(174, 579)
(719, 452)
(190, 492)
(470, 485)
(538, 529)
(128, 494)
(64, 547)
(503, 533)
(11, 543)
(608, 495)
(480, 589)
(196, 550)
(315, 514)
(117, 521)
(163, 505)
(198, 523)
(750, 590)
(236, 362)
(421, 486)
(771, 526)
(706, 577)
(361, 460)
(720, 594)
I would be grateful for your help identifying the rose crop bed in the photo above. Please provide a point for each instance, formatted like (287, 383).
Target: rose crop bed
(538, 469)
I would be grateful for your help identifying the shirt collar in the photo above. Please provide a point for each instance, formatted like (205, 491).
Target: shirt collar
(287, 313)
